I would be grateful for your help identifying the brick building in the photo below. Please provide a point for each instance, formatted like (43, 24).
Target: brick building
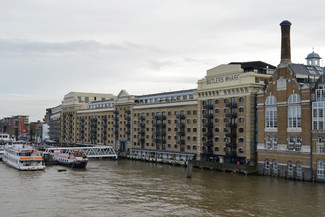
(284, 109)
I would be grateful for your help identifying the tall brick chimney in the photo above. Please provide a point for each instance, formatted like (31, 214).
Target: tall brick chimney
(285, 44)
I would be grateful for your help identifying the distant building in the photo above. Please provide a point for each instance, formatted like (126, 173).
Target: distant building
(17, 126)
(72, 102)
(35, 132)
(53, 117)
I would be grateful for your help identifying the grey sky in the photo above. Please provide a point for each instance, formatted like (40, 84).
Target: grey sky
(49, 48)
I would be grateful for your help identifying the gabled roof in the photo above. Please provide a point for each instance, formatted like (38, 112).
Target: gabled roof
(301, 69)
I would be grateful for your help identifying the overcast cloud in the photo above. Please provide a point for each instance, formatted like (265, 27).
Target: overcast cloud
(49, 48)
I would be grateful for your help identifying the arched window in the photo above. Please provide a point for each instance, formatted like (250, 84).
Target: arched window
(271, 112)
(275, 167)
(294, 111)
(298, 143)
(291, 142)
(290, 168)
(298, 170)
(294, 98)
(320, 169)
(274, 142)
(320, 144)
(267, 142)
(267, 165)
(270, 100)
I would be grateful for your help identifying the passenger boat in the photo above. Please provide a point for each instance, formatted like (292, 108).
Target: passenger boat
(23, 157)
(5, 138)
(77, 159)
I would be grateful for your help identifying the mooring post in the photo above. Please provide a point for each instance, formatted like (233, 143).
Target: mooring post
(189, 169)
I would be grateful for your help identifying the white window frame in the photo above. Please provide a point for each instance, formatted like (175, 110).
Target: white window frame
(320, 144)
(275, 167)
(294, 111)
(267, 142)
(290, 168)
(271, 112)
(299, 169)
(274, 142)
(267, 165)
(320, 169)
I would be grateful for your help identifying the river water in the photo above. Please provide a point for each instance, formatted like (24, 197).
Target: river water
(136, 188)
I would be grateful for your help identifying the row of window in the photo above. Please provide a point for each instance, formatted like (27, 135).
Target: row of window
(290, 168)
(189, 147)
(225, 92)
(157, 114)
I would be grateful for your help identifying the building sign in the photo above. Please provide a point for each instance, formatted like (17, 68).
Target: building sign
(222, 79)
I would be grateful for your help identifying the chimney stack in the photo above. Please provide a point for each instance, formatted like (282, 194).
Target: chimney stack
(285, 44)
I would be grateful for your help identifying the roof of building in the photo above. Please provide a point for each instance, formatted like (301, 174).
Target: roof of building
(258, 65)
(167, 93)
(301, 69)
(313, 55)
(102, 101)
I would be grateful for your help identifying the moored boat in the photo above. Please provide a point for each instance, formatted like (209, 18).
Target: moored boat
(23, 157)
(77, 159)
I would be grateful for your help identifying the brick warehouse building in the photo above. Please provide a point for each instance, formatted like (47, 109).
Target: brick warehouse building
(290, 139)
(215, 122)
(227, 119)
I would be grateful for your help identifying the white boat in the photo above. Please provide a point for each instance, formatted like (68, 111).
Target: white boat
(75, 160)
(23, 157)
(5, 138)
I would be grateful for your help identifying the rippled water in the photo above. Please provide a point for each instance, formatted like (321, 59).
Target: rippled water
(135, 188)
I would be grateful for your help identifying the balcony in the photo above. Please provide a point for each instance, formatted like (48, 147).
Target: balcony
(180, 116)
(181, 142)
(208, 125)
(231, 135)
(231, 145)
(208, 106)
(208, 134)
(209, 116)
(158, 141)
(231, 125)
(181, 133)
(208, 143)
(231, 104)
(181, 125)
(231, 115)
